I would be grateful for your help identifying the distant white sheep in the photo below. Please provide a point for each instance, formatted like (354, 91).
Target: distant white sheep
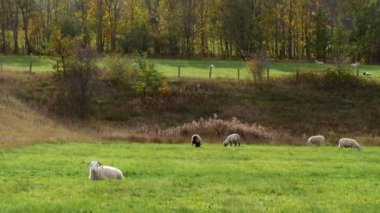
(233, 138)
(355, 64)
(196, 140)
(349, 142)
(316, 139)
(100, 172)
(318, 62)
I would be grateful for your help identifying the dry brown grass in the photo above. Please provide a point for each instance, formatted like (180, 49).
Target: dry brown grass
(212, 129)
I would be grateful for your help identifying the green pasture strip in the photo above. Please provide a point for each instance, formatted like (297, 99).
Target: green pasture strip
(229, 68)
(189, 68)
(22, 63)
(180, 178)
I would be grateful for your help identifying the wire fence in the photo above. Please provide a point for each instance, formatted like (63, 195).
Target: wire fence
(210, 72)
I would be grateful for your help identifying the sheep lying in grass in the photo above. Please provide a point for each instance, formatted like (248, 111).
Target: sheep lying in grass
(100, 172)
(348, 142)
(318, 62)
(316, 139)
(233, 138)
(196, 140)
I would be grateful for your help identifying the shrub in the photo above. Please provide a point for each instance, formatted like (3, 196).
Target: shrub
(118, 70)
(256, 66)
(340, 78)
(148, 79)
(76, 86)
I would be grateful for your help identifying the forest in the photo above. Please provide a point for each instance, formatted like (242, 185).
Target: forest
(281, 29)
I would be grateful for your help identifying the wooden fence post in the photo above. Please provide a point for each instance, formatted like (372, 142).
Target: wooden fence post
(30, 67)
(238, 73)
(179, 71)
(209, 73)
(357, 71)
(267, 73)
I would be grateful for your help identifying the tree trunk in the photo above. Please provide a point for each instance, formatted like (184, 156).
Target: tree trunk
(99, 26)
(15, 30)
(290, 30)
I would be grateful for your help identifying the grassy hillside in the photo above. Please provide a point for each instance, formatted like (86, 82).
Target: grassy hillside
(22, 125)
(179, 178)
(332, 104)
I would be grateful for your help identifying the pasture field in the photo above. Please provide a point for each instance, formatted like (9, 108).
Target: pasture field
(189, 68)
(53, 177)
(22, 63)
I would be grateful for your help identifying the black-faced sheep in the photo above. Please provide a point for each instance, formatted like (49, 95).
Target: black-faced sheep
(100, 172)
(349, 142)
(196, 140)
(233, 138)
(316, 139)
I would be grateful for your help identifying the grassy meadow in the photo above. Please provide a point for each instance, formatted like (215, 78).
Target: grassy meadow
(53, 177)
(189, 68)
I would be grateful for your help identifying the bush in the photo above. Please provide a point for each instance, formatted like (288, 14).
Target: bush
(340, 78)
(256, 66)
(76, 86)
(148, 79)
(118, 70)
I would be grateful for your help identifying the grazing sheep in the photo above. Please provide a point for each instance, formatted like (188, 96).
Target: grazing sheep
(316, 139)
(355, 64)
(196, 140)
(367, 74)
(100, 172)
(233, 138)
(348, 142)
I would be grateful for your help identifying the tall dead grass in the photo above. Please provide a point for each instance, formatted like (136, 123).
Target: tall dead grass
(216, 128)
(212, 129)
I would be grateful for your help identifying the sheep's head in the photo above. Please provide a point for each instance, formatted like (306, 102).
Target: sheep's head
(94, 166)
(225, 143)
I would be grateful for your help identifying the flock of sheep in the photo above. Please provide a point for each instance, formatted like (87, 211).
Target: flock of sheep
(342, 143)
(98, 171)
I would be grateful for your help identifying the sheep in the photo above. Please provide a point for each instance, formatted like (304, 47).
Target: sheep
(233, 138)
(316, 139)
(318, 62)
(355, 64)
(367, 74)
(100, 172)
(196, 140)
(349, 142)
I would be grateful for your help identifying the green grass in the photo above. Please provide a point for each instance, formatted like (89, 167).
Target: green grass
(226, 68)
(229, 68)
(189, 68)
(179, 178)
(22, 63)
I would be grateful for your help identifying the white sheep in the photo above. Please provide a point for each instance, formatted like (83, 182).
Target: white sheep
(316, 139)
(196, 140)
(233, 138)
(100, 172)
(318, 62)
(349, 142)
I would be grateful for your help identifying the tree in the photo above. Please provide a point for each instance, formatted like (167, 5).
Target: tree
(321, 34)
(26, 8)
